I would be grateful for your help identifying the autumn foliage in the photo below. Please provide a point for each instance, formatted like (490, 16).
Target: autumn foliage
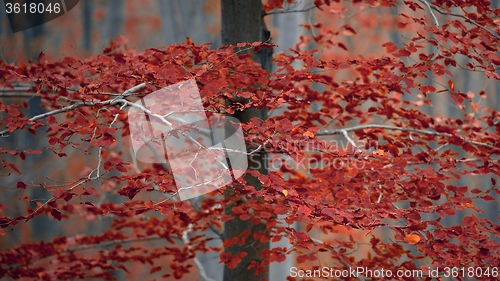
(359, 147)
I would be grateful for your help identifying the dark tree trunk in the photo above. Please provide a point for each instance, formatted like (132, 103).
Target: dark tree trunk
(242, 21)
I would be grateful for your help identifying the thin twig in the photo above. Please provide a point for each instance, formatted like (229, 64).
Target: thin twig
(54, 198)
(115, 242)
(17, 94)
(430, 10)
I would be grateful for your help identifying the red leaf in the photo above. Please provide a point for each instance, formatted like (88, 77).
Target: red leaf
(13, 167)
(21, 184)
(155, 269)
(318, 4)
(301, 258)
(11, 77)
(245, 217)
(309, 227)
(13, 111)
(246, 95)
(184, 217)
(468, 222)
(341, 45)
(302, 236)
(58, 193)
(56, 214)
(487, 198)
(390, 47)
(90, 191)
(476, 191)
(427, 89)
(232, 261)
(456, 97)
(304, 210)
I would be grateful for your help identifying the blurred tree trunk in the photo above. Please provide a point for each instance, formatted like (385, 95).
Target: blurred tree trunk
(242, 21)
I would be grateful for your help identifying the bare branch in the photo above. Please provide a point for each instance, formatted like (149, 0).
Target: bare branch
(198, 264)
(344, 132)
(388, 127)
(6, 133)
(290, 11)
(131, 91)
(17, 94)
(116, 242)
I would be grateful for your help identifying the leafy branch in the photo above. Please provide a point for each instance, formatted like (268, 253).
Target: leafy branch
(443, 12)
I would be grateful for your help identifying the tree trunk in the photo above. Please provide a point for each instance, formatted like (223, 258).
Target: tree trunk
(242, 21)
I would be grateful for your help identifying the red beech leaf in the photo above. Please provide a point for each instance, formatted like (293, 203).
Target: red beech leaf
(301, 236)
(58, 193)
(390, 47)
(184, 217)
(155, 269)
(487, 198)
(56, 214)
(13, 111)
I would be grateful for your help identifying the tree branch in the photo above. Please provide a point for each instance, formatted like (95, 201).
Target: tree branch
(116, 242)
(197, 263)
(6, 133)
(443, 12)
(344, 133)
(290, 11)
(17, 94)
(388, 127)
(430, 10)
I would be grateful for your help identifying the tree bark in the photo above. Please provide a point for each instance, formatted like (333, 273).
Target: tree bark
(242, 21)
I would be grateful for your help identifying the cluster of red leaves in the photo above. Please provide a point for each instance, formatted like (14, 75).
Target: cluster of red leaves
(387, 183)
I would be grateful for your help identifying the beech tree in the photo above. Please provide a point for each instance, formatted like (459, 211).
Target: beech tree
(357, 150)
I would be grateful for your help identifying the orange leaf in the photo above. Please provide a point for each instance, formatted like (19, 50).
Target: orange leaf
(308, 134)
(412, 238)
